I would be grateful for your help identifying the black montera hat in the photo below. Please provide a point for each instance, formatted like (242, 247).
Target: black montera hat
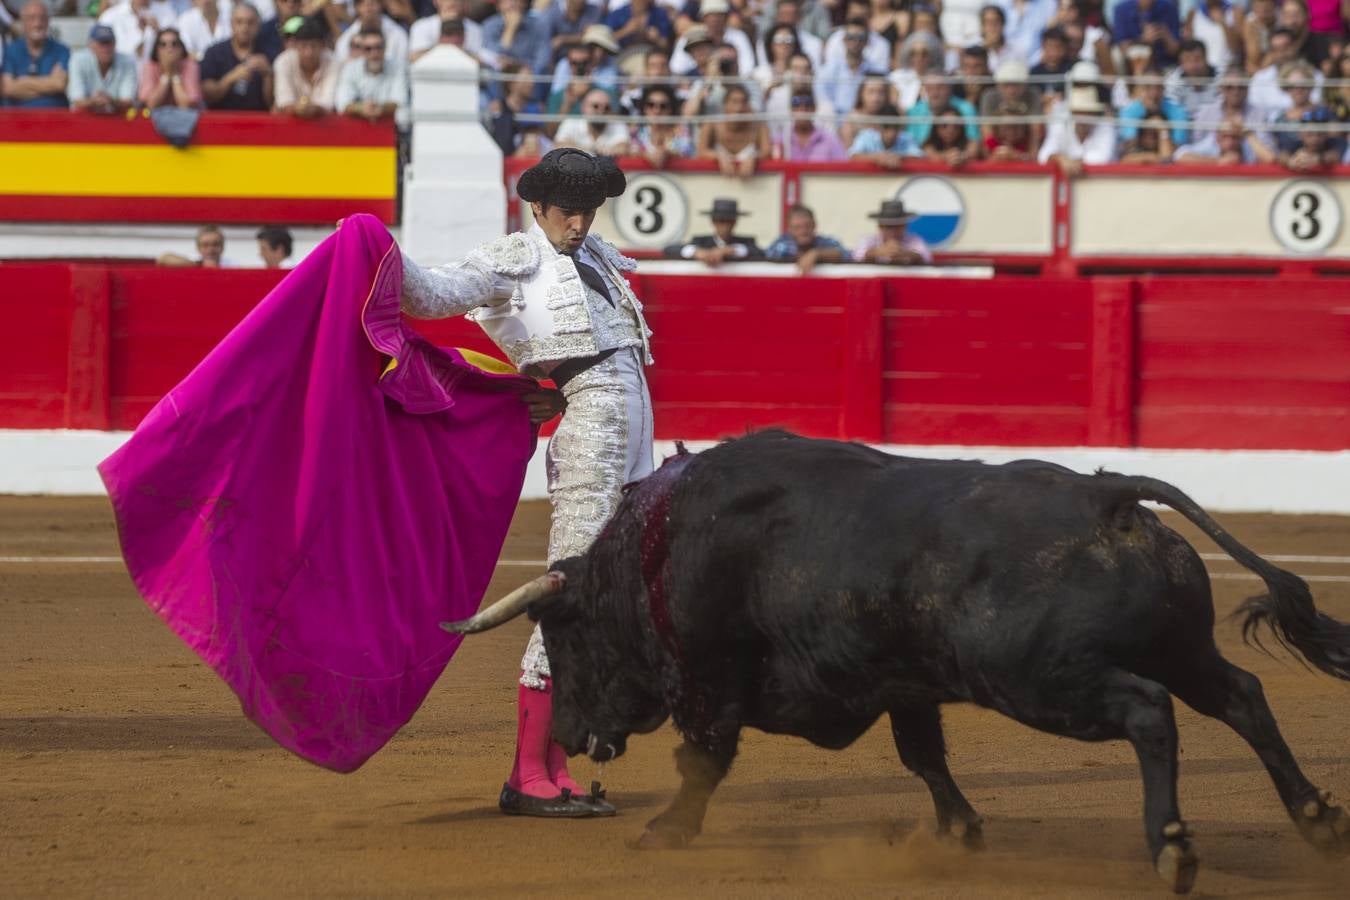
(571, 179)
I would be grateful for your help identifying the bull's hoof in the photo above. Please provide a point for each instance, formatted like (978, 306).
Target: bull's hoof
(655, 838)
(969, 835)
(1177, 866)
(1324, 826)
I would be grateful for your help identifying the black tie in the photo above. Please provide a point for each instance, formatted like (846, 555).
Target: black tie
(593, 280)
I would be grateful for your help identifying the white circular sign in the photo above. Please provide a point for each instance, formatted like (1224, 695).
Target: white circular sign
(938, 204)
(1306, 216)
(653, 212)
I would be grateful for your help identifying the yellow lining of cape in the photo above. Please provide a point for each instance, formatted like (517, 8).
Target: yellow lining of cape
(487, 363)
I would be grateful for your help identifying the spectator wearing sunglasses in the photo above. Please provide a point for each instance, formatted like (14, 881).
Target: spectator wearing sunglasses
(590, 132)
(841, 75)
(372, 88)
(370, 14)
(170, 77)
(658, 141)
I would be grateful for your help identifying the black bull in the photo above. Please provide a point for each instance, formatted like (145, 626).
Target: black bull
(806, 587)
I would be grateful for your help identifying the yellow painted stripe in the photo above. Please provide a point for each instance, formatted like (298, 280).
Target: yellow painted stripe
(146, 170)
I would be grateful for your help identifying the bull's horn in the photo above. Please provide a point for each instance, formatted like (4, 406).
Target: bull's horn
(510, 606)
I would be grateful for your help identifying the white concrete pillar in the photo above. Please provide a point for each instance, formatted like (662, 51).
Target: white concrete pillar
(453, 196)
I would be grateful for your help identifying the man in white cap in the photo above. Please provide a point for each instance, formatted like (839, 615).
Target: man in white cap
(101, 79)
(1076, 139)
(1010, 88)
(713, 15)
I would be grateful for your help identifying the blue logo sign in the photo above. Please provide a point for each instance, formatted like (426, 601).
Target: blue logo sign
(939, 207)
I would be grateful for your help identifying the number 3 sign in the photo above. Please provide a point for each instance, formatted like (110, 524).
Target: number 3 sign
(1306, 216)
(652, 213)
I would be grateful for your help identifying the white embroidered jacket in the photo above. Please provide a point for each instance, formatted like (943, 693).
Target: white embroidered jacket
(531, 301)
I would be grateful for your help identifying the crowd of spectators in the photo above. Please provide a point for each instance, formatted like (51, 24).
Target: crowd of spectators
(738, 81)
(1074, 81)
(292, 57)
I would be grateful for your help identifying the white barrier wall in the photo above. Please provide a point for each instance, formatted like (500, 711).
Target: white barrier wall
(994, 213)
(1115, 215)
(1284, 481)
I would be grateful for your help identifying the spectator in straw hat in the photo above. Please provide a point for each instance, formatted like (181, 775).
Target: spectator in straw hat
(1075, 140)
(892, 244)
(713, 18)
(723, 245)
(1010, 89)
(592, 59)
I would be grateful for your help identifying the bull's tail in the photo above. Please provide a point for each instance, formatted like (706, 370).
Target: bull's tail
(1286, 608)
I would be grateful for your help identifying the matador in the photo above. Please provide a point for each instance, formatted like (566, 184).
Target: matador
(555, 300)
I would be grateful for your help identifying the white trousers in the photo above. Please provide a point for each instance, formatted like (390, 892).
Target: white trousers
(603, 442)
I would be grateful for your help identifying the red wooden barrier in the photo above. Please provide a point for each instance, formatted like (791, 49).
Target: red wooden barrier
(1198, 362)
(1246, 363)
(987, 362)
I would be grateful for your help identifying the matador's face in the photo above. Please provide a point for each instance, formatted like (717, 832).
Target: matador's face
(564, 228)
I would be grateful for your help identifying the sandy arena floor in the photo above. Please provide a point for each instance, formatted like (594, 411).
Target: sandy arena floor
(126, 770)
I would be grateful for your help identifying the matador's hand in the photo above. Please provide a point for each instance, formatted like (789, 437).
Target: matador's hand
(544, 404)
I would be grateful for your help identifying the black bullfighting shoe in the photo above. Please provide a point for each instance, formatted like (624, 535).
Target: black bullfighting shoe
(595, 801)
(514, 803)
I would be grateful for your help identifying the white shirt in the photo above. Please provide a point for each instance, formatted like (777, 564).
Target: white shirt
(1061, 139)
(356, 84)
(908, 84)
(133, 38)
(1210, 33)
(426, 33)
(1265, 94)
(197, 35)
(395, 43)
(576, 132)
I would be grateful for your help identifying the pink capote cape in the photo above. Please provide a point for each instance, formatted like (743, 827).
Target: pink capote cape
(317, 495)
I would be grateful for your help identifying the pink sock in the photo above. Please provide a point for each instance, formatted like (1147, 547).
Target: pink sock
(534, 720)
(557, 769)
